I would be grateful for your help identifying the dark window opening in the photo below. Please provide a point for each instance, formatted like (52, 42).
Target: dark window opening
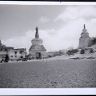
(15, 52)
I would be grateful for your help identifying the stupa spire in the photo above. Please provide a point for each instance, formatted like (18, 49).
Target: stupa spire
(84, 26)
(84, 29)
(36, 34)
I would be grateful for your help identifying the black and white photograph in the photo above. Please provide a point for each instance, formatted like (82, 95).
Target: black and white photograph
(48, 46)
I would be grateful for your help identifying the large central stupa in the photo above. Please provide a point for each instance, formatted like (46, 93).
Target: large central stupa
(37, 50)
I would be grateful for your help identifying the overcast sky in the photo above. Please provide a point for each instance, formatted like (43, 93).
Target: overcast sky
(59, 26)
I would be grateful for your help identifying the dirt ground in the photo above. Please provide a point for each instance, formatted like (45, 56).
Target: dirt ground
(68, 73)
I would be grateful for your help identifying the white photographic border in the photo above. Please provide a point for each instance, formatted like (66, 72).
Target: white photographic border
(47, 91)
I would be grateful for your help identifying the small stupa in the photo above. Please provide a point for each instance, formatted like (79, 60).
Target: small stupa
(84, 39)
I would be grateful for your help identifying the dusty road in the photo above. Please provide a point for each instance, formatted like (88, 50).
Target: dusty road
(49, 74)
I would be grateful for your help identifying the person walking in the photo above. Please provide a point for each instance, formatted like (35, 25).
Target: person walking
(6, 58)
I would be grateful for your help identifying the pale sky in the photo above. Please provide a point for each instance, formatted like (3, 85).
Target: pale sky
(59, 26)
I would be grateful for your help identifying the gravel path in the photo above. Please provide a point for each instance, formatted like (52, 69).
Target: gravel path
(49, 74)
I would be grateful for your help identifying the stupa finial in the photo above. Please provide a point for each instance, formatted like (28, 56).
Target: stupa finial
(37, 34)
(84, 26)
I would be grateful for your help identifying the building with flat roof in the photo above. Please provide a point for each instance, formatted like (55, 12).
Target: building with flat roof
(14, 54)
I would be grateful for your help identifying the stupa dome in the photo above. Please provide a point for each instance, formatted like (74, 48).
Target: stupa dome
(37, 41)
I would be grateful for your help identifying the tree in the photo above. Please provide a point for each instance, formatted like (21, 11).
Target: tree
(82, 51)
(92, 42)
(72, 51)
(91, 50)
(69, 52)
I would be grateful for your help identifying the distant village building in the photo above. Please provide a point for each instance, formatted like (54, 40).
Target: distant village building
(37, 50)
(14, 54)
(84, 40)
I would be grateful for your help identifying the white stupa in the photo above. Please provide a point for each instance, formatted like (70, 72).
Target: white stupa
(84, 39)
(37, 50)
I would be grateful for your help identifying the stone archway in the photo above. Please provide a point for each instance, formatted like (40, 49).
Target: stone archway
(38, 55)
